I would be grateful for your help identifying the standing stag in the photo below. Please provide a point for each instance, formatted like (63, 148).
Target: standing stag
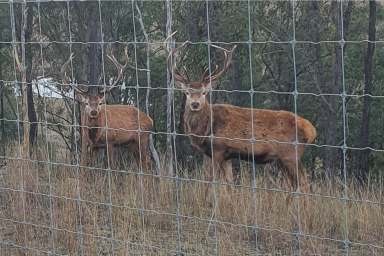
(107, 126)
(223, 131)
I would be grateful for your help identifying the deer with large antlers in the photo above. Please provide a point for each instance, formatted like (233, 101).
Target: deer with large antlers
(107, 126)
(223, 131)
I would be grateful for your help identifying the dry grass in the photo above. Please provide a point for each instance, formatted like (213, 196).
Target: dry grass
(156, 216)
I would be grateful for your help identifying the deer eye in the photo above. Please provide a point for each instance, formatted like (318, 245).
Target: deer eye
(187, 93)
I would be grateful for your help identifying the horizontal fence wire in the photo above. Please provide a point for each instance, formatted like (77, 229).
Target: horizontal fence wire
(250, 91)
(14, 156)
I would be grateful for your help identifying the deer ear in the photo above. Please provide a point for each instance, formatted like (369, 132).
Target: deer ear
(209, 85)
(102, 99)
(80, 97)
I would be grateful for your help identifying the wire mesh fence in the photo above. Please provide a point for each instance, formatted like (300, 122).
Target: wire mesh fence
(191, 128)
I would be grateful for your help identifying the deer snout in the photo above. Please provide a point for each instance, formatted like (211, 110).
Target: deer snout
(195, 105)
(93, 113)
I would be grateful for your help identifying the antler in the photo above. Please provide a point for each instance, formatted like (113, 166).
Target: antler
(64, 77)
(177, 75)
(80, 91)
(121, 68)
(206, 78)
(65, 80)
(206, 72)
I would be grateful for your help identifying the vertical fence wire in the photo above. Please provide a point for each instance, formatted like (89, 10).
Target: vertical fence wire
(344, 146)
(253, 138)
(22, 162)
(176, 176)
(51, 218)
(176, 171)
(214, 171)
(109, 145)
(76, 126)
(141, 172)
(297, 219)
(175, 167)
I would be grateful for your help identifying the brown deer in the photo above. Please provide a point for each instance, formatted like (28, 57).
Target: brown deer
(223, 131)
(107, 126)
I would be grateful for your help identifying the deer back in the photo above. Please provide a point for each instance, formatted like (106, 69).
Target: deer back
(121, 125)
(232, 128)
(236, 122)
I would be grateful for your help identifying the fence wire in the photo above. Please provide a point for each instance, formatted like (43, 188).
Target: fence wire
(100, 233)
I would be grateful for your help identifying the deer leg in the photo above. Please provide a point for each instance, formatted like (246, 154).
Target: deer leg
(291, 174)
(91, 156)
(84, 157)
(228, 173)
(304, 183)
(207, 167)
(214, 171)
(289, 171)
(145, 160)
(111, 156)
(208, 173)
(296, 177)
(139, 158)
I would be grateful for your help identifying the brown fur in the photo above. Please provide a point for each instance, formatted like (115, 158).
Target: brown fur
(122, 123)
(259, 134)
(232, 134)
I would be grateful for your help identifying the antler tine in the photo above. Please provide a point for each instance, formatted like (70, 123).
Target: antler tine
(186, 73)
(173, 69)
(227, 63)
(121, 68)
(206, 73)
(80, 91)
(105, 89)
(64, 77)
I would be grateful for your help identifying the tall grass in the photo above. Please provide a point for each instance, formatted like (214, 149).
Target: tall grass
(92, 211)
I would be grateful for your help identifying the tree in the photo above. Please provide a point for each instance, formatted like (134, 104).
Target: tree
(362, 166)
(25, 68)
(330, 118)
(152, 148)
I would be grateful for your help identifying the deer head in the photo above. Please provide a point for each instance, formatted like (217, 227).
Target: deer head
(93, 103)
(196, 91)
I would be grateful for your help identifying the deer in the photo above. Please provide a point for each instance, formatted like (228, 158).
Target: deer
(107, 126)
(223, 132)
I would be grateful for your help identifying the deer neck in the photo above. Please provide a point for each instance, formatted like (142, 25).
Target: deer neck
(91, 122)
(198, 122)
(93, 125)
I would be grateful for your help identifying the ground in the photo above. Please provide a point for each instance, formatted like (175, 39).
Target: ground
(67, 210)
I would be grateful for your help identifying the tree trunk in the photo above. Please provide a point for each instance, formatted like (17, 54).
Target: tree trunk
(24, 83)
(327, 103)
(32, 117)
(362, 159)
(94, 49)
(194, 12)
(170, 45)
(328, 119)
(314, 22)
(152, 148)
(2, 121)
(93, 57)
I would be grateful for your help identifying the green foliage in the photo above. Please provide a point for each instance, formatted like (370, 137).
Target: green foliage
(263, 31)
